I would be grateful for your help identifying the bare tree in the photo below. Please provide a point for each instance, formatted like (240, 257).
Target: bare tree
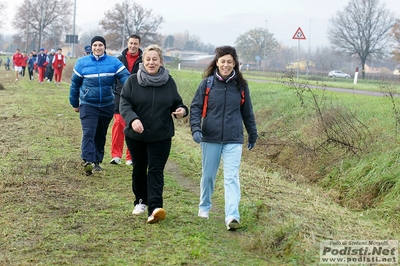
(3, 7)
(41, 20)
(361, 28)
(327, 59)
(131, 18)
(395, 34)
(281, 57)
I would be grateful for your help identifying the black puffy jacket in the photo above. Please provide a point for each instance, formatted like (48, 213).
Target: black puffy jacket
(153, 106)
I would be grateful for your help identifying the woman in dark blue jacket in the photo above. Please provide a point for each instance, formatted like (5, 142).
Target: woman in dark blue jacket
(218, 127)
(148, 101)
(91, 94)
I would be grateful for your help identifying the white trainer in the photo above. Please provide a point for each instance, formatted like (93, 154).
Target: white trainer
(203, 214)
(139, 208)
(116, 160)
(129, 162)
(232, 224)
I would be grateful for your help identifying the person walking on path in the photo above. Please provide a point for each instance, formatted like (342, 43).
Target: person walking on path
(148, 100)
(216, 121)
(31, 65)
(7, 64)
(18, 59)
(58, 64)
(91, 94)
(49, 66)
(131, 58)
(41, 63)
(24, 63)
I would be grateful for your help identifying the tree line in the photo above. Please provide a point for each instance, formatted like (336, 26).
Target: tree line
(365, 30)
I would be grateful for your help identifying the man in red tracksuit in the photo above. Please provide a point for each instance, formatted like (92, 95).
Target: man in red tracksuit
(131, 57)
(41, 63)
(18, 59)
(58, 65)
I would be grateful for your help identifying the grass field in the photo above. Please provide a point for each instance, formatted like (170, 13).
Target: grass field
(52, 214)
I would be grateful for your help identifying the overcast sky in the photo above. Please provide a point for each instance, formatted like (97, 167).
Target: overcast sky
(219, 22)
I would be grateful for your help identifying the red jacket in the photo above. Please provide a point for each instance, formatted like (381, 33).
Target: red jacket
(25, 60)
(58, 61)
(18, 59)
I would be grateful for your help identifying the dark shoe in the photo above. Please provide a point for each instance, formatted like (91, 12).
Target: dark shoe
(88, 168)
(97, 167)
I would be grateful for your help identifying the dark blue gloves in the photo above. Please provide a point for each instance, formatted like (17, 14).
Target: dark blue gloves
(197, 136)
(251, 145)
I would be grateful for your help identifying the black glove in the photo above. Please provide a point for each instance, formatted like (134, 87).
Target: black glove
(197, 136)
(251, 145)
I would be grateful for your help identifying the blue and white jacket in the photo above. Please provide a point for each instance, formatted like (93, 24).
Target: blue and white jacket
(93, 80)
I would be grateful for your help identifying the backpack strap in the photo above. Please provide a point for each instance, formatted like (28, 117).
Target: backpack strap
(243, 96)
(209, 84)
(210, 81)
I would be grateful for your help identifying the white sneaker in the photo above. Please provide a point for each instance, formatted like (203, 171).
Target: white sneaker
(116, 160)
(232, 224)
(139, 208)
(129, 162)
(203, 214)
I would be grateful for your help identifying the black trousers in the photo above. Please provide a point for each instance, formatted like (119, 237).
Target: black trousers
(49, 72)
(149, 159)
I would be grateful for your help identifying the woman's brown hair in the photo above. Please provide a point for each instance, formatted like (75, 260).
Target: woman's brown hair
(219, 52)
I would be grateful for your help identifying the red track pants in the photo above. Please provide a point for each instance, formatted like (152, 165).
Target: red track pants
(118, 138)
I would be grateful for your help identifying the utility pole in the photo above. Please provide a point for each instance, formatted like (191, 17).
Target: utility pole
(27, 27)
(308, 53)
(73, 31)
(265, 45)
(41, 25)
(123, 26)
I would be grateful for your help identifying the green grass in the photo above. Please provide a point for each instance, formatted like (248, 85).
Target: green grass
(52, 214)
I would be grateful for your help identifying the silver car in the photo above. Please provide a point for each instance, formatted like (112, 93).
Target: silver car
(338, 74)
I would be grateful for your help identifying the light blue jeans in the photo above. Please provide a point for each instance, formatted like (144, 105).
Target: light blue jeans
(211, 155)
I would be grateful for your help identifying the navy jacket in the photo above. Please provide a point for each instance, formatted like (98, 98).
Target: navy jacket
(225, 115)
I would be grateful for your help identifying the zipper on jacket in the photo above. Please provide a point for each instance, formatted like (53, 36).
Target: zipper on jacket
(223, 117)
(99, 80)
(151, 110)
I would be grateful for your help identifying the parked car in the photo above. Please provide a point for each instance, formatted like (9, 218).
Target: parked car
(338, 74)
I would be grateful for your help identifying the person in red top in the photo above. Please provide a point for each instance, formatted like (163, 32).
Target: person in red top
(58, 65)
(24, 62)
(131, 57)
(17, 59)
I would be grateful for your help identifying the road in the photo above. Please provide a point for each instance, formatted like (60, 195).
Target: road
(353, 91)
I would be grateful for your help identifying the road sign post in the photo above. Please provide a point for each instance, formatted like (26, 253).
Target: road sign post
(298, 35)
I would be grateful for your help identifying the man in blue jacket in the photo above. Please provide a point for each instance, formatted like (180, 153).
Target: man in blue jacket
(91, 94)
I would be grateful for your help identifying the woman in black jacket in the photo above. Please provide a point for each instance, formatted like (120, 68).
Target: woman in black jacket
(148, 100)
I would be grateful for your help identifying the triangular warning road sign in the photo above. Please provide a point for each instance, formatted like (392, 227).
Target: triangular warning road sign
(299, 35)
